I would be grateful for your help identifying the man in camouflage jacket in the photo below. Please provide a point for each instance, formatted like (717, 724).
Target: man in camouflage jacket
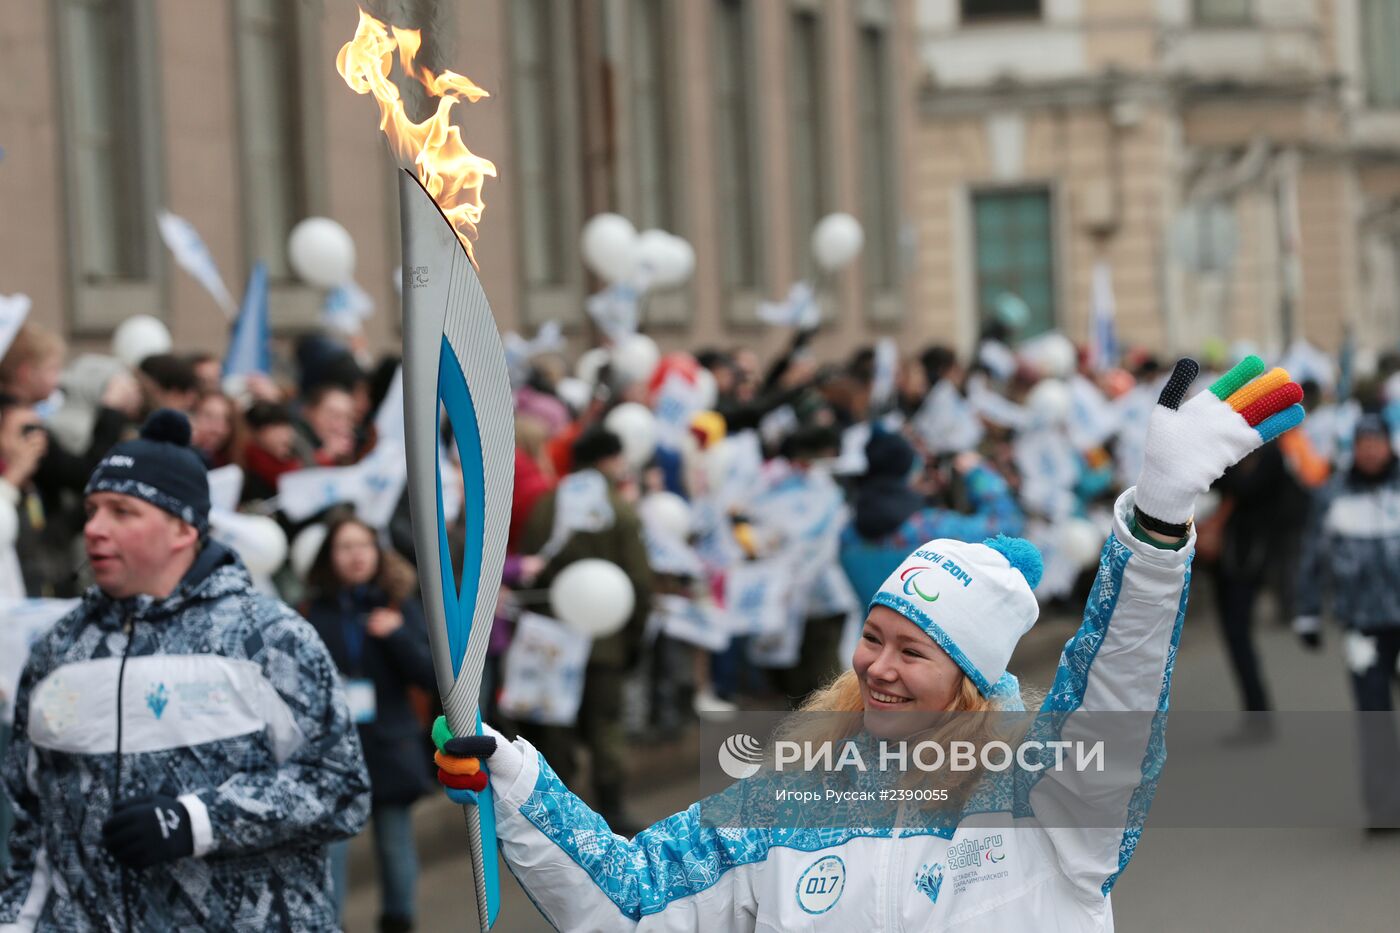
(183, 751)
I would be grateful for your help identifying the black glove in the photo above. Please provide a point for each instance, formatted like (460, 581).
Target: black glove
(146, 831)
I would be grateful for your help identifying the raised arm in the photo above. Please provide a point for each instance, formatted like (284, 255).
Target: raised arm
(1114, 679)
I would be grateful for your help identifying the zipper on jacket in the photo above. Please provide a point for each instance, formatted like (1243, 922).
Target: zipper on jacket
(129, 627)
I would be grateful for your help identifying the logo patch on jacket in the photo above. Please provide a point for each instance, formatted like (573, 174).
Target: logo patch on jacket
(821, 885)
(929, 880)
(157, 698)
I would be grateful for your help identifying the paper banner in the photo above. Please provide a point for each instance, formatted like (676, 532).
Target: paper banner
(704, 625)
(25, 621)
(756, 596)
(543, 672)
(580, 504)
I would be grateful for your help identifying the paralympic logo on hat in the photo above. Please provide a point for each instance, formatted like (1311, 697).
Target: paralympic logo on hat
(911, 584)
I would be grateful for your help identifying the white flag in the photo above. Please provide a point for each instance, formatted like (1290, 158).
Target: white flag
(193, 256)
(799, 309)
(13, 310)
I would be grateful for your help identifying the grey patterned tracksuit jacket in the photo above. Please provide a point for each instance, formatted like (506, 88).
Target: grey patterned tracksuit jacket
(216, 695)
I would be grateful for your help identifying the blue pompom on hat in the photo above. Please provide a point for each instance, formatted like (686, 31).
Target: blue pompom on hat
(159, 467)
(974, 600)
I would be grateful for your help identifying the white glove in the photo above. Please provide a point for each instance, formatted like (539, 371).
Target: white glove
(1190, 445)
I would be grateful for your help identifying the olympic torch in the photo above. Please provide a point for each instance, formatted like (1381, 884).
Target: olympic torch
(453, 364)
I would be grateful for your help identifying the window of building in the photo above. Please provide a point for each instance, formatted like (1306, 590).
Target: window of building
(653, 129)
(808, 160)
(274, 149)
(539, 87)
(979, 10)
(737, 194)
(105, 148)
(1224, 12)
(879, 166)
(1013, 233)
(1380, 32)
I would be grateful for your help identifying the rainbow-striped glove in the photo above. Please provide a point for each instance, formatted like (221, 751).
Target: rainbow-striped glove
(1190, 445)
(461, 768)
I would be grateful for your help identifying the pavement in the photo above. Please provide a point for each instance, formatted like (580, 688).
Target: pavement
(1187, 880)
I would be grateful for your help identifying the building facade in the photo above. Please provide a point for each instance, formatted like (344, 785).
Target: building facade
(1233, 162)
(733, 123)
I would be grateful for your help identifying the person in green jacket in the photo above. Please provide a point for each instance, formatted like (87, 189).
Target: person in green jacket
(587, 517)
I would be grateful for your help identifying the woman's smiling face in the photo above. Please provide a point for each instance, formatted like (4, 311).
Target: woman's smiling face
(901, 669)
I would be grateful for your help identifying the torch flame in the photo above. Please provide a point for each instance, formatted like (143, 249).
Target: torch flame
(451, 173)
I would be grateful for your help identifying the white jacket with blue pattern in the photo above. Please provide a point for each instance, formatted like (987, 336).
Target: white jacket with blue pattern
(216, 695)
(681, 874)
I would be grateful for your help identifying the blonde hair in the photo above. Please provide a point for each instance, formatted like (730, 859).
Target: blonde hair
(32, 343)
(842, 696)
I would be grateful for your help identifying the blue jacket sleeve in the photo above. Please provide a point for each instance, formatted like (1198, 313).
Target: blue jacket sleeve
(1112, 686)
(995, 511)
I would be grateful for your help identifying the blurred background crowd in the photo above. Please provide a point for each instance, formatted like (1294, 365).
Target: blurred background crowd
(786, 289)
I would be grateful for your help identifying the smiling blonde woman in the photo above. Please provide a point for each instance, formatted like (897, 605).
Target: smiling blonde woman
(938, 637)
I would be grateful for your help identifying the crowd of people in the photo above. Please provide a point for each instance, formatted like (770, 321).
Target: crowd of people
(755, 510)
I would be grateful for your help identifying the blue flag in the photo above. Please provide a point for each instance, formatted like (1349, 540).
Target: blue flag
(248, 349)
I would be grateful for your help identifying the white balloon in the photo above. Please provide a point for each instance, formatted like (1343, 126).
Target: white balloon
(653, 252)
(322, 252)
(1049, 402)
(574, 392)
(634, 359)
(138, 337)
(635, 426)
(610, 246)
(1080, 541)
(258, 540)
(593, 597)
(837, 239)
(589, 363)
(305, 547)
(680, 263)
(667, 513)
(667, 259)
(9, 525)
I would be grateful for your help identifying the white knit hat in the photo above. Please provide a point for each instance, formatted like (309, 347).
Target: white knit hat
(974, 600)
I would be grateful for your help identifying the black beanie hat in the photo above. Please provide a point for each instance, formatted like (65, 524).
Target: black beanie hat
(158, 467)
(594, 444)
(888, 454)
